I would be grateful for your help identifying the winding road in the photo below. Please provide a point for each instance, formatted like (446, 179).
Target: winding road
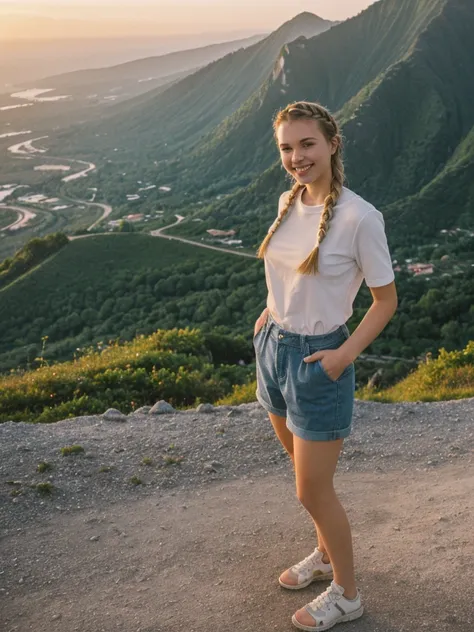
(23, 218)
(26, 148)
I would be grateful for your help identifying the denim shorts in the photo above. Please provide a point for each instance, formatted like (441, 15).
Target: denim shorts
(316, 407)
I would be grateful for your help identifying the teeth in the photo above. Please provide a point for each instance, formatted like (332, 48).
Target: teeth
(303, 169)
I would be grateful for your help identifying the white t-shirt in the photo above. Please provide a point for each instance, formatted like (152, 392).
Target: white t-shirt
(355, 247)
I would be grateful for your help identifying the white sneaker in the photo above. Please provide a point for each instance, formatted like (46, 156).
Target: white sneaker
(311, 569)
(329, 608)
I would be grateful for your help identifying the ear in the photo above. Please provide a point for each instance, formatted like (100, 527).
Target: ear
(335, 145)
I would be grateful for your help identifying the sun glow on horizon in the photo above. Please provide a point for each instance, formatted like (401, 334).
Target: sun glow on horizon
(31, 19)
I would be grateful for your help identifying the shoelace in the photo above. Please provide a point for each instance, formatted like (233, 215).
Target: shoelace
(325, 599)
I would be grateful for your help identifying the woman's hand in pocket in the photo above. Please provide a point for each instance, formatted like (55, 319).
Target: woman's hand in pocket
(260, 321)
(332, 362)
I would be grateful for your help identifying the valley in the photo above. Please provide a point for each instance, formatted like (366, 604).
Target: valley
(195, 163)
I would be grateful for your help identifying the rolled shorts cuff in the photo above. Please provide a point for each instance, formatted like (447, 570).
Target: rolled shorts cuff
(314, 435)
(269, 408)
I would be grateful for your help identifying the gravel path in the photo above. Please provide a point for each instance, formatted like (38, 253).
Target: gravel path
(208, 535)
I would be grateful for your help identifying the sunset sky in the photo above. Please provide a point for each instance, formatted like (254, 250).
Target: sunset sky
(165, 16)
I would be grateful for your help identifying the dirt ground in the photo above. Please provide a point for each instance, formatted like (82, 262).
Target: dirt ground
(208, 558)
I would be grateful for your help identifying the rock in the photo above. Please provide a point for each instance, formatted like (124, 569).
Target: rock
(205, 408)
(212, 466)
(161, 408)
(112, 414)
(144, 410)
(375, 379)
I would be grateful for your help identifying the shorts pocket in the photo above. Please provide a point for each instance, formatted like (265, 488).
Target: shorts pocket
(346, 372)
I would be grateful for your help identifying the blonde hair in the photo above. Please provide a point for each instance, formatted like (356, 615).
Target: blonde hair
(330, 129)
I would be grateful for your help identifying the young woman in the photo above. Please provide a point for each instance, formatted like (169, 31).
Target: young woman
(325, 241)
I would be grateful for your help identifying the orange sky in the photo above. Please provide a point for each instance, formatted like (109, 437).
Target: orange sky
(69, 17)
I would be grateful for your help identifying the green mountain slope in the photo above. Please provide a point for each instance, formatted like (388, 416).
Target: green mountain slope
(348, 62)
(446, 203)
(156, 125)
(408, 131)
(412, 123)
(93, 93)
(142, 75)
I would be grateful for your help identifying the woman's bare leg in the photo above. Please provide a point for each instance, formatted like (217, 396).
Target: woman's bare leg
(286, 438)
(284, 435)
(315, 465)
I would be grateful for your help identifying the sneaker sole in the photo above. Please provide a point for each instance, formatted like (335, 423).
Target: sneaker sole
(317, 578)
(320, 628)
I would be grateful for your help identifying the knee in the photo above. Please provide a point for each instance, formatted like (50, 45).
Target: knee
(315, 497)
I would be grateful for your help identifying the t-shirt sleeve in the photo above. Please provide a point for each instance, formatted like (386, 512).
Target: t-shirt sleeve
(371, 250)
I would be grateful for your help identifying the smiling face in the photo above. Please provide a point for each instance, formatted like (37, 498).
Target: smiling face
(305, 152)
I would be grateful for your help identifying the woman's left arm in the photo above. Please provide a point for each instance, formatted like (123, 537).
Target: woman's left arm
(379, 314)
(384, 306)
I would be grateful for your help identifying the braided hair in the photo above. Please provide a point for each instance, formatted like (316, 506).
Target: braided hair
(330, 129)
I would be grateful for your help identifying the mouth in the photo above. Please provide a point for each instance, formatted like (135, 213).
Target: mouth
(302, 170)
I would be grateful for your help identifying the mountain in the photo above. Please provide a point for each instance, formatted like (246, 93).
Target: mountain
(160, 123)
(92, 93)
(343, 68)
(405, 108)
(29, 60)
(387, 73)
(142, 75)
(399, 77)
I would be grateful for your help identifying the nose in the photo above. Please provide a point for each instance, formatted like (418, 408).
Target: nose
(297, 157)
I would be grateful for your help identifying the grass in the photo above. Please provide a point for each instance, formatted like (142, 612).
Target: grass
(172, 460)
(44, 488)
(44, 466)
(450, 376)
(71, 449)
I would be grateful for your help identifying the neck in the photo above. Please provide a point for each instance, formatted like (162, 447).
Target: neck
(317, 191)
